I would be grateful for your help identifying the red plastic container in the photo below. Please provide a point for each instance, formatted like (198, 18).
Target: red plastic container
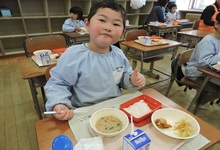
(59, 50)
(152, 103)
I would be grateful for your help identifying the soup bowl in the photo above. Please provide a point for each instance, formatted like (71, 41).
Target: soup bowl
(112, 130)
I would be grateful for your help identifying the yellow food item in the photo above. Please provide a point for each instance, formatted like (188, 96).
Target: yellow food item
(108, 124)
(156, 41)
(183, 128)
(162, 123)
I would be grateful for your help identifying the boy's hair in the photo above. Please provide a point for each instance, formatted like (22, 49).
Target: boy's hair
(172, 5)
(77, 10)
(112, 4)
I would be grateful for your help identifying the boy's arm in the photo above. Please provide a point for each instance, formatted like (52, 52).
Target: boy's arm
(68, 26)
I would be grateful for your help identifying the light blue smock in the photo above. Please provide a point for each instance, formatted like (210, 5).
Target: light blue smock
(83, 77)
(207, 52)
(70, 25)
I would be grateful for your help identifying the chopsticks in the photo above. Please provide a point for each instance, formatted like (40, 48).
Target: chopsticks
(76, 111)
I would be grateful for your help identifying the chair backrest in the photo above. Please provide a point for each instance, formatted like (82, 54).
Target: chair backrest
(47, 72)
(195, 25)
(43, 42)
(181, 59)
(184, 57)
(133, 34)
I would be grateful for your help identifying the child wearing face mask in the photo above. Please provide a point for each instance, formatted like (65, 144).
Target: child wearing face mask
(96, 71)
(75, 22)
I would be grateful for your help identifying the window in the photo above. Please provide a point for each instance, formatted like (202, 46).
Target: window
(201, 4)
(182, 4)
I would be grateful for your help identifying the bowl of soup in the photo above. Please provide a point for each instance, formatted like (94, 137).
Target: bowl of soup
(108, 122)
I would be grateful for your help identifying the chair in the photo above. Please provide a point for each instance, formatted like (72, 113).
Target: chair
(195, 25)
(47, 72)
(133, 35)
(42, 42)
(177, 75)
(189, 43)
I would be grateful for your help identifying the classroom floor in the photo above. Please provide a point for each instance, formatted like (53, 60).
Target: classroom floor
(18, 114)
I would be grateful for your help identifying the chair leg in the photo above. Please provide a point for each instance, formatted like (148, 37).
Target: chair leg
(134, 64)
(150, 71)
(170, 85)
(185, 89)
(218, 101)
(126, 51)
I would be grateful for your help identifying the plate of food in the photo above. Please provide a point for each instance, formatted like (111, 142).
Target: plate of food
(153, 42)
(83, 31)
(175, 123)
(54, 57)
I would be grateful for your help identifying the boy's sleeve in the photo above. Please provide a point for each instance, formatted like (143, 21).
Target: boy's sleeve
(68, 27)
(82, 24)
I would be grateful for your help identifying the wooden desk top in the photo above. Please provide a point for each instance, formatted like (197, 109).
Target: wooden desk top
(195, 33)
(143, 48)
(47, 129)
(207, 70)
(29, 69)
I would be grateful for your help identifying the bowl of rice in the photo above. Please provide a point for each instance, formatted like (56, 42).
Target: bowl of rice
(141, 108)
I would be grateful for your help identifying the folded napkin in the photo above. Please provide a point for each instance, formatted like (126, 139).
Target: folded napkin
(94, 143)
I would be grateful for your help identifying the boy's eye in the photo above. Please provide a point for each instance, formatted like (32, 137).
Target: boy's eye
(115, 24)
(101, 20)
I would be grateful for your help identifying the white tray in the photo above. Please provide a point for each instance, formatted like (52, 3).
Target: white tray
(38, 61)
(163, 42)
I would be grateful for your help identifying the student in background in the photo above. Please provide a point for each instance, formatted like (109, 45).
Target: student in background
(93, 72)
(75, 21)
(208, 16)
(158, 12)
(172, 14)
(207, 52)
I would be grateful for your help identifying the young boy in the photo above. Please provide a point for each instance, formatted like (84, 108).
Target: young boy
(75, 22)
(92, 72)
(172, 14)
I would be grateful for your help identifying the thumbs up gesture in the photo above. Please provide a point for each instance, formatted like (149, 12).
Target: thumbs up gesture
(137, 79)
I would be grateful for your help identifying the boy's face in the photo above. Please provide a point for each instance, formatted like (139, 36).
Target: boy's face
(105, 27)
(73, 16)
(173, 10)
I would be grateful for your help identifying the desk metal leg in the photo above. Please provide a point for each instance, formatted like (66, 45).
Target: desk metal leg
(196, 100)
(142, 62)
(34, 96)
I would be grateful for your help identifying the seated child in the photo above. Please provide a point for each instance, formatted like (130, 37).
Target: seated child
(172, 14)
(96, 71)
(75, 21)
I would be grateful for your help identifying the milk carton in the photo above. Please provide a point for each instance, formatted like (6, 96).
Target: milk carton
(139, 142)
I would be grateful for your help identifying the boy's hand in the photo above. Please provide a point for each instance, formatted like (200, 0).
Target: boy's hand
(137, 79)
(63, 112)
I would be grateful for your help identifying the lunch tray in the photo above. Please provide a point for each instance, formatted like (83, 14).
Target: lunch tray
(163, 43)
